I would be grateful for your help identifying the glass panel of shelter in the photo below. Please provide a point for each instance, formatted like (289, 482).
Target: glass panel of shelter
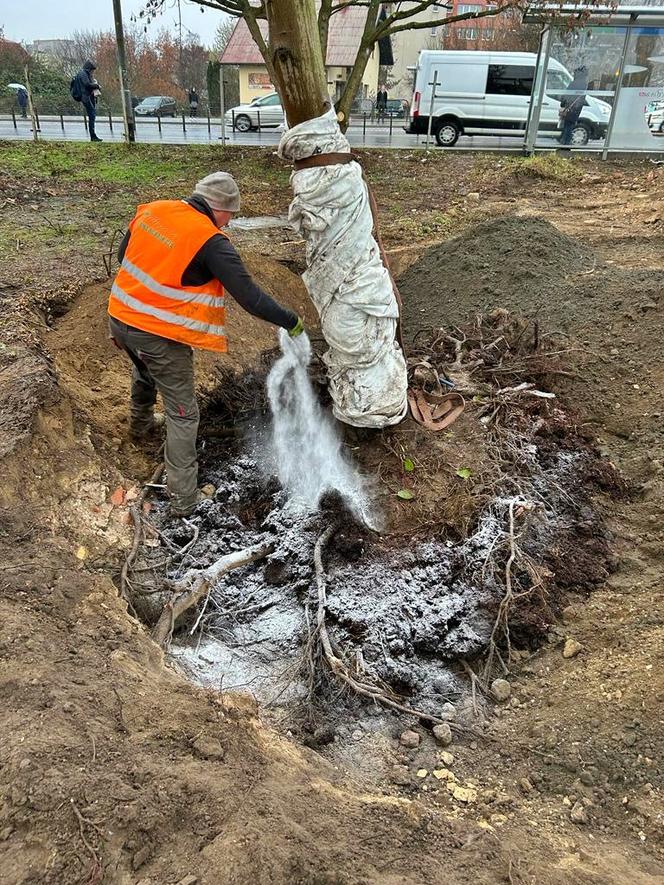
(639, 116)
(582, 74)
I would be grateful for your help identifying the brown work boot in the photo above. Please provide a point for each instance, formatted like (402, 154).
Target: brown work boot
(153, 429)
(180, 510)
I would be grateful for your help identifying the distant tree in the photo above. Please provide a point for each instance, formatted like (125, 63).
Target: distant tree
(157, 64)
(223, 34)
(50, 88)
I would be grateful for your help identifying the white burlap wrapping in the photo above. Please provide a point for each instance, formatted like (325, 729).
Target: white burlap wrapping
(346, 279)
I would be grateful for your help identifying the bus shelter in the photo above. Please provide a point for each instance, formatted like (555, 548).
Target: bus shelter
(608, 64)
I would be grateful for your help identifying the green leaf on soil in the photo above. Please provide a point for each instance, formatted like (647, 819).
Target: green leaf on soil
(405, 494)
(408, 465)
(464, 472)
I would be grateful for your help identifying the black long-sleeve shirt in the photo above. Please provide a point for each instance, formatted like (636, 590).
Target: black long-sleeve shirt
(218, 259)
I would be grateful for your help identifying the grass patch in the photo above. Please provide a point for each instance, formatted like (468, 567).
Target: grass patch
(545, 167)
(140, 165)
(422, 224)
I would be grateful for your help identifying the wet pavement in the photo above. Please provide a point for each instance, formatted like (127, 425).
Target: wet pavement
(199, 131)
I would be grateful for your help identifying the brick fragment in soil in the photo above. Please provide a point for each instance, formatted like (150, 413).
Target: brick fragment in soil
(407, 612)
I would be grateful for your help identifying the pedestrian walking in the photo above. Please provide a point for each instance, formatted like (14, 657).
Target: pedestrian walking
(381, 103)
(176, 264)
(193, 101)
(22, 99)
(572, 105)
(86, 89)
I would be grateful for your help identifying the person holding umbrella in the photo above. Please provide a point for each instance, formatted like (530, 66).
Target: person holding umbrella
(22, 99)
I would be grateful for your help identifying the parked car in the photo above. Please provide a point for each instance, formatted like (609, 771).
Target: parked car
(157, 106)
(655, 117)
(261, 112)
(396, 107)
(489, 93)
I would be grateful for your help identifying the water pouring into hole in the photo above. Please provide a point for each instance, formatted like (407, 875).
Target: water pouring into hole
(306, 446)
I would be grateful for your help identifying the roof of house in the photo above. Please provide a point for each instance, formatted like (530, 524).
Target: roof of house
(346, 27)
(14, 47)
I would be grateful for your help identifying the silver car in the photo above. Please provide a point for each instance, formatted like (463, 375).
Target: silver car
(262, 112)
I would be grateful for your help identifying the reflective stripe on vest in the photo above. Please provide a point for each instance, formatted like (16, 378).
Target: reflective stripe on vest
(165, 315)
(168, 291)
(147, 293)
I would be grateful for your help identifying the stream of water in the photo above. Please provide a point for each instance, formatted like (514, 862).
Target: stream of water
(307, 448)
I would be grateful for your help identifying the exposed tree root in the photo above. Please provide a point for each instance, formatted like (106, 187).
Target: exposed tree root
(336, 665)
(136, 511)
(96, 870)
(195, 585)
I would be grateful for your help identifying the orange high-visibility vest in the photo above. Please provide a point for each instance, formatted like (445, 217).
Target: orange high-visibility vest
(148, 293)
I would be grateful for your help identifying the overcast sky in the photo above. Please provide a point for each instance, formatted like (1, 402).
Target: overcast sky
(44, 19)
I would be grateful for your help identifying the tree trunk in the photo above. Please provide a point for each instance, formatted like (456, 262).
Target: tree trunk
(296, 58)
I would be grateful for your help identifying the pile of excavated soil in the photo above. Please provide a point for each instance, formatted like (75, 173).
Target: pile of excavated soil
(523, 264)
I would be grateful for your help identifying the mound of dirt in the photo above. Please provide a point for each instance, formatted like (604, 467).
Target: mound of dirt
(96, 375)
(508, 261)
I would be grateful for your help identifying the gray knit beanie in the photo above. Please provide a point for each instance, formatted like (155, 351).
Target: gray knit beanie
(220, 192)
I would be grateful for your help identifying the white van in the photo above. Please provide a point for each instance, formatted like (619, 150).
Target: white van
(488, 93)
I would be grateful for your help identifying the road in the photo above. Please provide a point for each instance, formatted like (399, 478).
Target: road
(197, 132)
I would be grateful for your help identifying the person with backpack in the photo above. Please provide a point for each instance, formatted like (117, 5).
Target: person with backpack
(84, 88)
(193, 101)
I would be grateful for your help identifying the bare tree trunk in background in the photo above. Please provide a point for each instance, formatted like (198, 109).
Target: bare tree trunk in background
(296, 58)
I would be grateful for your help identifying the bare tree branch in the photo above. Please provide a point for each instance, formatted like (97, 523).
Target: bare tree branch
(488, 12)
(324, 14)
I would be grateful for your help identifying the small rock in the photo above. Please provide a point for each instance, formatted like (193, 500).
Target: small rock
(410, 739)
(578, 814)
(501, 689)
(526, 786)
(208, 490)
(68, 707)
(572, 648)
(447, 758)
(118, 497)
(447, 712)
(209, 748)
(498, 819)
(5, 833)
(587, 778)
(400, 775)
(443, 734)
(473, 196)
(25, 763)
(189, 880)
(422, 772)
(324, 734)
(629, 739)
(442, 774)
(141, 856)
(357, 735)
(464, 794)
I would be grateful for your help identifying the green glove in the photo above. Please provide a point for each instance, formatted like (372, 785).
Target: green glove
(297, 329)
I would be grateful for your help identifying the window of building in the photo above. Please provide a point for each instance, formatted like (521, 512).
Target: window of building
(467, 33)
(464, 8)
(510, 80)
(487, 34)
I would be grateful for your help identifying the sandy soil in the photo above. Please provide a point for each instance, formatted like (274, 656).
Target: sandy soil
(115, 769)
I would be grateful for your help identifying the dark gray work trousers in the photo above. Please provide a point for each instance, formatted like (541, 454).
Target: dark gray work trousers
(160, 364)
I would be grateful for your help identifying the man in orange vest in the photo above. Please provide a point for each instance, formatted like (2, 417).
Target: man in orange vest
(167, 298)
